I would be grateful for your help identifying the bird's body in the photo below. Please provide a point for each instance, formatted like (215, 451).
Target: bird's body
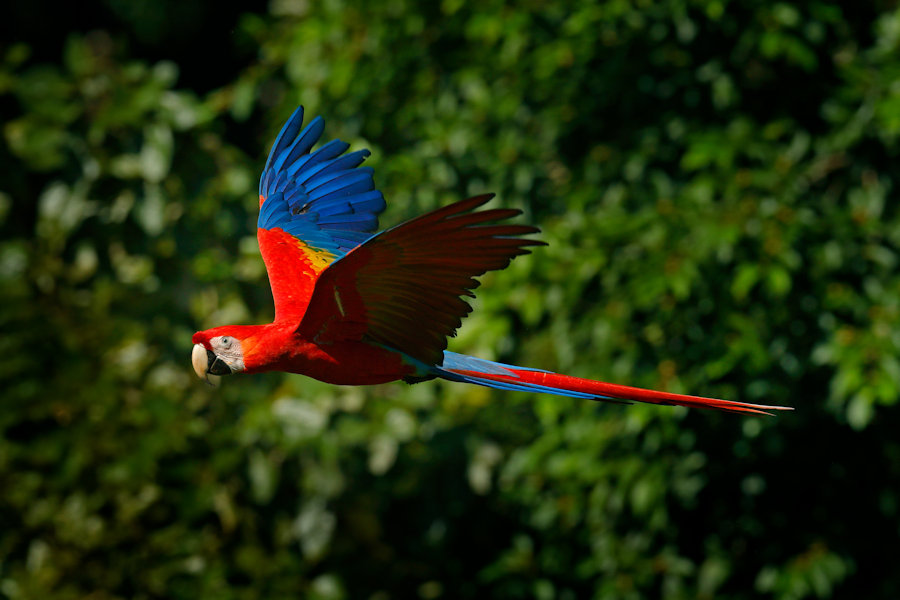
(277, 347)
(357, 308)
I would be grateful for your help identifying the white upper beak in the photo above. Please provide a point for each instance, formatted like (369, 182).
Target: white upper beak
(200, 362)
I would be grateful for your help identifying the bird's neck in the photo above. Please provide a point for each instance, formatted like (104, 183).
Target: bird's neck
(265, 346)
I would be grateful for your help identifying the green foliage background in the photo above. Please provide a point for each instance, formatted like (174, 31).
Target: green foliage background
(717, 182)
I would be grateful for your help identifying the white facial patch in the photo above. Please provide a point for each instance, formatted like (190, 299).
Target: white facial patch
(229, 350)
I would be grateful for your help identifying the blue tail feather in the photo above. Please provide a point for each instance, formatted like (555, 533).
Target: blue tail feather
(461, 362)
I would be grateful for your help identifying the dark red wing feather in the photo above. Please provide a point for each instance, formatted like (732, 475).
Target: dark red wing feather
(402, 287)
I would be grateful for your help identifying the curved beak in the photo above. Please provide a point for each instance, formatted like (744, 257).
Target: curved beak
(206, 363)
(201, 362)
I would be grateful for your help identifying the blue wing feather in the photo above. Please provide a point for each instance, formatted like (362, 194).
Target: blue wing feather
(288, 132)
(296, 197)
(322, 170)
(332, 149)
(342, 189)
(322, 198)
(302, 145)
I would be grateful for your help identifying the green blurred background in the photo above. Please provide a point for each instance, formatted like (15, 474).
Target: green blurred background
(714, 178)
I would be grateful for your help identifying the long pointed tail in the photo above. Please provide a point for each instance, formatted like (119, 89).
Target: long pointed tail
(468, 369)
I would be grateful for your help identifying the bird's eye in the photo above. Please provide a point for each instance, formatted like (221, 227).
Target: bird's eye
(226, 341)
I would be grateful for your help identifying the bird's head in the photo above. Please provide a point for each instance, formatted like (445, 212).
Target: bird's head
(221, 351)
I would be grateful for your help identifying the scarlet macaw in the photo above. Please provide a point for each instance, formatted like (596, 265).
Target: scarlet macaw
(355, 308)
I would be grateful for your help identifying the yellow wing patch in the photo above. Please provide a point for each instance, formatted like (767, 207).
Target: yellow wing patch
(318, 258)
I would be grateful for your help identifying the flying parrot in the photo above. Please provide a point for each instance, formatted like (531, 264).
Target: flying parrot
(356, 307)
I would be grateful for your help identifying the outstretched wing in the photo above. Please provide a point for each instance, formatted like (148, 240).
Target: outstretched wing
(314, 207)
(402, 287)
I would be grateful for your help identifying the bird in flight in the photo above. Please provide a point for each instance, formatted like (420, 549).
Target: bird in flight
(356, 307)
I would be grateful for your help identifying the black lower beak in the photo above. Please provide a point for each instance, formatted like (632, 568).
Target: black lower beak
(216, 365)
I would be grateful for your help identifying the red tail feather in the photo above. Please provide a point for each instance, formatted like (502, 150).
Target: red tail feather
(612, 391)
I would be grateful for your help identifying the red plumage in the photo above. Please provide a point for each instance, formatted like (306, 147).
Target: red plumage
(402, 288)
(355, 308)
